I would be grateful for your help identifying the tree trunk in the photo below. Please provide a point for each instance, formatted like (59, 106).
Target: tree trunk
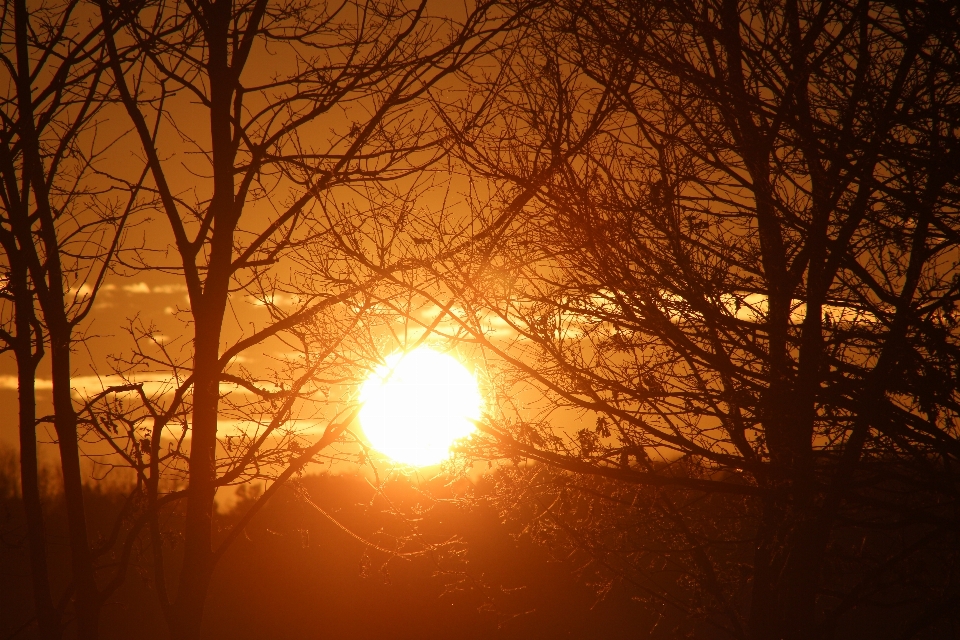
(787, 561)
(208, 311)
(48, 618)
(786, 572)
(198, 553)
(86, 596)
(46, 270)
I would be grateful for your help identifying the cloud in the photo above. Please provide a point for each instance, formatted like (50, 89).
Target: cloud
(81, 293)
(143, 287)
(277, 298)
(86, 386)
(10, 383)
(154, 383)
(139, 287)
(170, 288)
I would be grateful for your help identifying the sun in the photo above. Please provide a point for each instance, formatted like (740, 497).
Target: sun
(417, 405)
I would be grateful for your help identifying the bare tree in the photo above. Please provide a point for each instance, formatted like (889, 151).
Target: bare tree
(61, 226)
(746, 285)
(22, 335)
(280, 137)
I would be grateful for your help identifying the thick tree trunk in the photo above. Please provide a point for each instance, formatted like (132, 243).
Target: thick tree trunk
(208, 312)
(198, 553)
(763, 601)
(86, 595)
(786, 573)
(787, 560)
(790, 541)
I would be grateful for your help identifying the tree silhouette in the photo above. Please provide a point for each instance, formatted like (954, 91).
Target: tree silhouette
(745, 286)
(61, 226)
(316, 139)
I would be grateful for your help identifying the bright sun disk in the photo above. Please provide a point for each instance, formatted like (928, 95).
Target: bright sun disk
(417, 405)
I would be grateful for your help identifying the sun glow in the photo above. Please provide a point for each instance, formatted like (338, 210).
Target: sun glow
(417, 405)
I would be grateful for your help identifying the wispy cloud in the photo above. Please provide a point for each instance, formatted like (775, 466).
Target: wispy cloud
(139, 287)
(86, 386)
(154, 383)
(144, 288)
